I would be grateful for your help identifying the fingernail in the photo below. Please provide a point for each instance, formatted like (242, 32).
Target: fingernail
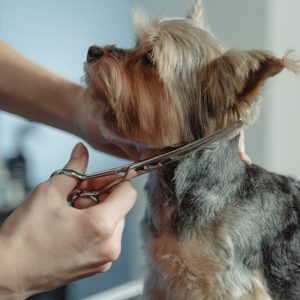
(77, 151)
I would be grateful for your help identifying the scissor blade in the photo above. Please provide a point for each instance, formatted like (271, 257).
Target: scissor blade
(154, 162)
(139, 168)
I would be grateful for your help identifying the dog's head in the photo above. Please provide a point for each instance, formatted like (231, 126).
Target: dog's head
(178, 84)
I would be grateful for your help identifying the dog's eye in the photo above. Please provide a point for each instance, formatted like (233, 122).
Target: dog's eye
(148, 59)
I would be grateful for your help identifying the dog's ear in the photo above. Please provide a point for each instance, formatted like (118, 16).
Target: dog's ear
(197, 13)
(142, 22)
(234, 81)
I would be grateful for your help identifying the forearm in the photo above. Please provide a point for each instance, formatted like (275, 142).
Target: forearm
(28, 90)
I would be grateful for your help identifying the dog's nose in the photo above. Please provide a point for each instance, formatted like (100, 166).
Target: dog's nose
(94, 52)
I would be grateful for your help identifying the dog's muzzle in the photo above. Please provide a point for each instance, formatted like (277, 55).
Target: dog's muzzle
(94, 52)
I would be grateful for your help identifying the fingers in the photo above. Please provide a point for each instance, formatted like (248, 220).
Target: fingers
(117, 238)
(112, 248)
(98, 183)
(95, 184)
(114, 244)
(84, 202)
(118, 203)
(242, 149)
(78, 162)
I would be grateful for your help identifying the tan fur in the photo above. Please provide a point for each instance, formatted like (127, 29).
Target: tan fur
(232, 82)
(193, 269)
(195, 266)
(186, 273)
(136, 94)
(197, 14)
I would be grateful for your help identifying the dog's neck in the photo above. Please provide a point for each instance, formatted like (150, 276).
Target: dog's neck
(195, 190)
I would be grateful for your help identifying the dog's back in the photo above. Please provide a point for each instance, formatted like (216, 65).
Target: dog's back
(277, 201)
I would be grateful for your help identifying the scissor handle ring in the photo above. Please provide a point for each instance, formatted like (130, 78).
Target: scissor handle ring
(69, 172)
(77, 194)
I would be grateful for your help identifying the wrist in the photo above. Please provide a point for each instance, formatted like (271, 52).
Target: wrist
(10, 285)
(65, 115)
(83, 122)
(76, 120)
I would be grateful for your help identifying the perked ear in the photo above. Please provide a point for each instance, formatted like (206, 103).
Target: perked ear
(141, 22)
(197, 13)
(234, 81)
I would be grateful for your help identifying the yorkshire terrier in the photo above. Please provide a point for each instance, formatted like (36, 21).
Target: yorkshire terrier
(215, 227)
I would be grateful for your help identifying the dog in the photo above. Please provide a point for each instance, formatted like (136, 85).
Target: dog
(215, 227)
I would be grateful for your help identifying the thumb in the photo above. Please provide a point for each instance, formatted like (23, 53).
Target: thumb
(78, 162)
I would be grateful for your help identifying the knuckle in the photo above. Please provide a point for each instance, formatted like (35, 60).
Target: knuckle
(39, 189)
(103, 268)
(51, 191)
(115, 253)
(46, 189)
(112, 252)
(103, 226)
(131, 192)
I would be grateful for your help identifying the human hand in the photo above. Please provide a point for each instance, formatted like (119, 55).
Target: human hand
(48, 243)
(63, 102)
(85, 125)
(242, 149)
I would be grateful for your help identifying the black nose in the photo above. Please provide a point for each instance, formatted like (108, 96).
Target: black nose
(94, 52)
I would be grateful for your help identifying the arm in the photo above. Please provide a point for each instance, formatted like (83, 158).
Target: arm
(30, 91)
(8, 275)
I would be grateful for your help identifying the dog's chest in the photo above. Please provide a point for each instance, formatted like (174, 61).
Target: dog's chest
(187, 259)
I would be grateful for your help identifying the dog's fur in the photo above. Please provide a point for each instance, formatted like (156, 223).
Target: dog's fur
(215, 227)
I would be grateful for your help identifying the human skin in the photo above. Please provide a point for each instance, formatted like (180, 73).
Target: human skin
(45, 243)
(33, 92)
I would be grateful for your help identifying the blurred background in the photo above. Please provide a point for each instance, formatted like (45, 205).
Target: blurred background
(56, 34)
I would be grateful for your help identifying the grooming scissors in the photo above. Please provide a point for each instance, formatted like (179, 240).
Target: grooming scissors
(138, 168)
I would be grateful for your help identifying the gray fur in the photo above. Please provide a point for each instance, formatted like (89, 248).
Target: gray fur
(265, 209)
